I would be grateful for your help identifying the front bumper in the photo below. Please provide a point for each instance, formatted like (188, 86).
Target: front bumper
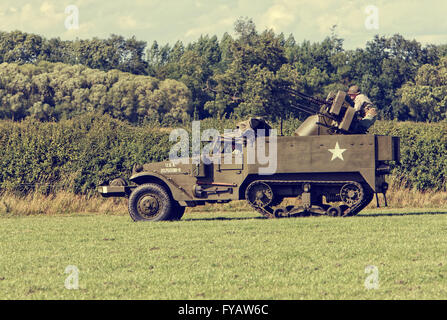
(115, 191)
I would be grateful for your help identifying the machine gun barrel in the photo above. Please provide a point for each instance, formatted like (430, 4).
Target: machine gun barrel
(335, 114)
(314, 106)
(306, 97)
(304, 108)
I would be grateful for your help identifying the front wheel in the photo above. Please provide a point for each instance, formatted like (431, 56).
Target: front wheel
(179, 211)
(151, 202)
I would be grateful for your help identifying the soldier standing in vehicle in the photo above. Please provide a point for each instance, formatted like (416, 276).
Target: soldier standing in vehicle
(364, 107)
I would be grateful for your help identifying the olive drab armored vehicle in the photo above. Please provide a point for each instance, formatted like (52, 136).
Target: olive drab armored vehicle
(331, 165)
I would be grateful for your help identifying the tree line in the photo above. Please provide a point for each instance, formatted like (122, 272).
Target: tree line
(238, 75)
(55, 91)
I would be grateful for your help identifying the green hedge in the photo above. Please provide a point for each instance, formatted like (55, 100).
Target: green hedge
(423, 151)
(75, 154)
(81, 153)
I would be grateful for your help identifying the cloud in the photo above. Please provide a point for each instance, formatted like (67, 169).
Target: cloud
(83, 32)
(47, 8)
(40, 17)
(211, 20)
(277, 17)
(314, 19)
(170, 20)
(127, 22)
(210, 28)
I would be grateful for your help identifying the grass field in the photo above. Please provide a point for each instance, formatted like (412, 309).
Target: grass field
(224, 255)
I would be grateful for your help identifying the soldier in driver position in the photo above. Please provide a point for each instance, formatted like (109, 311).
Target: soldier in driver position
(364, 107)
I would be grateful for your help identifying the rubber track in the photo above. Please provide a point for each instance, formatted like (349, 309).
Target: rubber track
(350, 211)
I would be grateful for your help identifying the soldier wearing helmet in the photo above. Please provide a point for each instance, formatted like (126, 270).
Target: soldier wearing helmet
(364, 107)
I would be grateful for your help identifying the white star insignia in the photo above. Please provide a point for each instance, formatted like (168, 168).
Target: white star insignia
(337, 152)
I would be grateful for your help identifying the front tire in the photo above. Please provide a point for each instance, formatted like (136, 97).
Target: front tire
(151, 202)
(178, 211)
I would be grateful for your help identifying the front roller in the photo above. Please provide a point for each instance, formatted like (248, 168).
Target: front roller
(151, 202)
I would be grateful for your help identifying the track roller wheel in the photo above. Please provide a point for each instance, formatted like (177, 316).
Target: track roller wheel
(334, 211)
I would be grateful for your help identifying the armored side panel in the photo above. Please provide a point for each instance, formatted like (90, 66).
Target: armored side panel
(338, 103)
(347, 119)
(388, 148)
(330, 157)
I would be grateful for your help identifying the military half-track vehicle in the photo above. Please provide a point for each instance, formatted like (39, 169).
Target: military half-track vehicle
(334, 169)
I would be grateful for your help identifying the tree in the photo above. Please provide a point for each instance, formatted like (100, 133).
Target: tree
(249, 86)
(384, 66)
(19, 47)
(55, 91)
(426, 97)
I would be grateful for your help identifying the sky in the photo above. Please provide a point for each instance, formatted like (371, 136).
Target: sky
(357, 21)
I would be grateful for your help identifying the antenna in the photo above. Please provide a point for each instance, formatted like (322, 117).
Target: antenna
(281, 126)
